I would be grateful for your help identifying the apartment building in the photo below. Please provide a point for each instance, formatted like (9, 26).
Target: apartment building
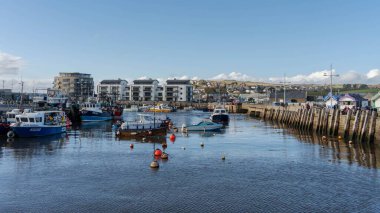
(178, 90)
(77, 86)
(144, 90)
(113, 90)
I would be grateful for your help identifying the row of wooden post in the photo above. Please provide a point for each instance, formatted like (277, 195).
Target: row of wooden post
(327, 121)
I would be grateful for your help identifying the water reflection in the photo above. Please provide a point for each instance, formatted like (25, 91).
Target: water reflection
(151, 139)
(27, 148)
(338, 150)
(98, 130)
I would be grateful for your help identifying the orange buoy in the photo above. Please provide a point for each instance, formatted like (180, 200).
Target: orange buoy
(157, 152)
(131, 146)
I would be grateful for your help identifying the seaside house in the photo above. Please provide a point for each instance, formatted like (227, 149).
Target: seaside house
(352, 101)
(331, 100)
(375, 101)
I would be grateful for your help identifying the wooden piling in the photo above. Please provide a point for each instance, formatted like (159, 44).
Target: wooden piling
(336, 123)
(372, 127)
(356, 125)
(265, 113)
(311, 122)
(318, 120)
(364, 126)
(347, 124)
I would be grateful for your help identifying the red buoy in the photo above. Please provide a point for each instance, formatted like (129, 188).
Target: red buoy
(172, 137)
(131, 146)
(157, 152)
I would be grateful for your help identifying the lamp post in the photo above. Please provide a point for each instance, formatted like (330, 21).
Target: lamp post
(331, 76)
(284, 83)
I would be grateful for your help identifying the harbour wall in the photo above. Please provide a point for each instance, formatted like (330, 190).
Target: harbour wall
(355, 126)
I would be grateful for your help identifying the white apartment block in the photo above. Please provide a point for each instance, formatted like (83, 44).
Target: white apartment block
(144, 90)
(178, 90)
(113, 90)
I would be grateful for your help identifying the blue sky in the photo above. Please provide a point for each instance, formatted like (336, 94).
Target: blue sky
(248, 40)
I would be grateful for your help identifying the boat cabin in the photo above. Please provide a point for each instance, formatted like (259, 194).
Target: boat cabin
(88, 106)
(220, 111)
(11, 116)
(42, 118)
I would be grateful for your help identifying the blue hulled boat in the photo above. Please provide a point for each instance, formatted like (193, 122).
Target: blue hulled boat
(93, 112)
(41, 123)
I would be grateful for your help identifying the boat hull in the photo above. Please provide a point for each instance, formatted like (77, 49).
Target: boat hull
(220, 118)
(190, 128)
(85, 118)
(37, 131)
(141, 133)
(4, 128)
(90, 116)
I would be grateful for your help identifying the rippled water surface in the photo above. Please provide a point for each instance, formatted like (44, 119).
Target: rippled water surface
(267, 169)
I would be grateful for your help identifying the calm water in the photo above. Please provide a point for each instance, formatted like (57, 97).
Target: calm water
(267, 169)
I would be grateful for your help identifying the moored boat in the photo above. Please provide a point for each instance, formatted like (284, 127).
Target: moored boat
(220, 115)
(202, 126)
(161, 108)
(41, 123)
(93, 112)
(133, 108)
(144, 126)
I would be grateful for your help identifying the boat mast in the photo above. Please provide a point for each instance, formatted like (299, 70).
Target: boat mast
(22, 91)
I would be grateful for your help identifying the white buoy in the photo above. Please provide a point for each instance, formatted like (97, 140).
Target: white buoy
(154, 164)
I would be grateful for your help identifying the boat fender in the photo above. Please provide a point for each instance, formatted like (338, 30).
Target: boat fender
(118, 133)
(149, 132)
(11, 134)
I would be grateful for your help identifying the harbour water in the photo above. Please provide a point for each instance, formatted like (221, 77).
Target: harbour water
(267, 169)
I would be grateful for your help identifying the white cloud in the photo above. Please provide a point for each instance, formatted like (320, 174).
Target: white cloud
(233, 76)
(351, 77)
(10, 64)
(375, 73)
